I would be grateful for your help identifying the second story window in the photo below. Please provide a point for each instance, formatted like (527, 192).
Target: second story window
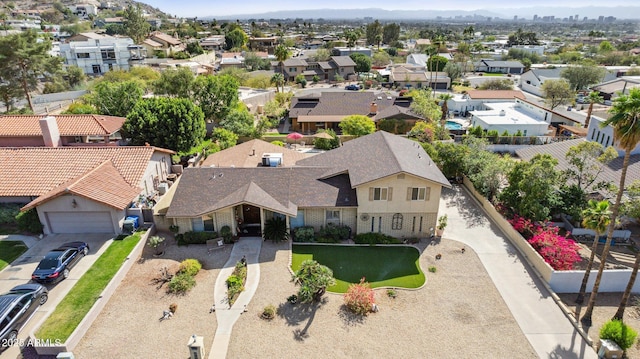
(418, 194)
(379, 194)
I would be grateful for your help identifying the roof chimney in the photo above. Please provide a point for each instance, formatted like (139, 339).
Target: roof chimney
(374, 108)
(50, 131)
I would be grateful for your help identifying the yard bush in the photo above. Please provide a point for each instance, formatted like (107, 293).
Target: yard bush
(269, 312)
(303, 234)
(29, 221)
(190, 266)
(8, 212)
(360, 298)
(333, 233)
(225, 233)
(275, 229)
(235, 282)
(618, 332)
(375, 238)
(196, 237)
(181, 283)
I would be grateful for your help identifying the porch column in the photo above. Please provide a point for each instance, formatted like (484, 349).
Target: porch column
(287, 223)
(261, 220)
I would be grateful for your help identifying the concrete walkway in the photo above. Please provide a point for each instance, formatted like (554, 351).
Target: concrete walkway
(541, 320)
(227, 317)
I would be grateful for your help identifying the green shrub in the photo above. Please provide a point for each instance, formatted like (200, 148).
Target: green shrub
(618, 332)
(181, 283)
(392, 293)
(432, 269)
(304, 234)
(195, 237)
(325, 143)
(235, 285)
(190, 266)
(269, 312)
(333, 233)
(240, 270)
(225, 233)
(375, 238)
(278, 143)
(29, 221)
(275, 229)
(8, 212)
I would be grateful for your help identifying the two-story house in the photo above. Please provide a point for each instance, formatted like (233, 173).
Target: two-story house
(96, 54)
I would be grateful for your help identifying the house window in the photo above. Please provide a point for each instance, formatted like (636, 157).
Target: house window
(333, 216)
(379, 194)
(82, 55)
(96, 69)
(208, 224)
(525, 132)
(108, 54)
(418, 193)
(202, 224)
(292, 69)
(396, 222)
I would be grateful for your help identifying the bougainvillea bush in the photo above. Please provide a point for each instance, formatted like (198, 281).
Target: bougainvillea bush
(560, 252)
(359, 298)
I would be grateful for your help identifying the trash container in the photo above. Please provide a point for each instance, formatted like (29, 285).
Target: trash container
(609, 350)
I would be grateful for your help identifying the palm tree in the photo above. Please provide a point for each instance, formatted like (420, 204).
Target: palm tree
(626, 132)
(444, 97)
(594, 97)
(596, 217)
(278, 80)
(282, 53)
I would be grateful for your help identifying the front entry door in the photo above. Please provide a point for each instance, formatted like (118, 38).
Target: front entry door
(251, 214)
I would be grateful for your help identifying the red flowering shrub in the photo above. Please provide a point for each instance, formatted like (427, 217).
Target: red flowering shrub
(561, 253)
(359, 298)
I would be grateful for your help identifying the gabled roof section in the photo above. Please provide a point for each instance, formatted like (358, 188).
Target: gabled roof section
(397, 112)
(68, 125)
(251, 193)
(249, 154)
(343, 61)
(104, 184)
(338, 103)
(376, 156)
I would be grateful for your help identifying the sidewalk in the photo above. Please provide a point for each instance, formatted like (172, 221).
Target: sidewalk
(226, 316)
(541, 320)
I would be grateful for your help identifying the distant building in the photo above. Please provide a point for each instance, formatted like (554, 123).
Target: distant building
(97, 54)
(84, 11)
(346, 51)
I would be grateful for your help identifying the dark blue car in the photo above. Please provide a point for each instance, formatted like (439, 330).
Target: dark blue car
(56, 264)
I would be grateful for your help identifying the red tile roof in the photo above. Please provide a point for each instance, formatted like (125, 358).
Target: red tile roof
(34, 171)
(69, 125)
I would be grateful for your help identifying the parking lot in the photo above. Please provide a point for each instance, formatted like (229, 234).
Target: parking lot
(20, 272)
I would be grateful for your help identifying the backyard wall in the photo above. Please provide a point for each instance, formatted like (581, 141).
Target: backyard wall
(613, 280)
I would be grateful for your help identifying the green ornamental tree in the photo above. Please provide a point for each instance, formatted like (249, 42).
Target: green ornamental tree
(582, 76)
(115, 98)
(173, 123)
(134, 23)
(224, 138)
(357, 125)
(239, 121)
(175, 82)
(216, 95)
(556, 93)
(363, 62)
(313, 279)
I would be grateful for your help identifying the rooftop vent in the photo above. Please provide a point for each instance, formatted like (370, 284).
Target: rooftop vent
(502, 113)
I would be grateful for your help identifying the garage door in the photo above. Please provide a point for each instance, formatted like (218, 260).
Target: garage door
(80, 222)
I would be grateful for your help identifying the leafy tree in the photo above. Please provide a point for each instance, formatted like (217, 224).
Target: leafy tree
(357, 125)
(320, 55)
(596, 217)
(626, 131)
(373, 32)
(173, 123)
(175, 82)
(216, 95)
(423, 105)
(390, 33)
(135, 25)
(313, 279)
(75, 76)
(239, 121)
(453, 70)
(605, 47)
(115, 29)
(363, 62)
(194, 48)
(523, 38)
(352, 36)
(587, 161)
(235, 39)
(115, 98)
(631, 207)
(497, 84)
(582, 76)
(450, 158)
(10, 89)
(258, 82)
(436, 63)
(253, 62)
(594, 97)
(301, 80)
(80, 108)
(380, 59)
(224, 138)
(278, 80)
(25, 58)
(556, 93)
(325, 143)
(486, 170)
(532, 187)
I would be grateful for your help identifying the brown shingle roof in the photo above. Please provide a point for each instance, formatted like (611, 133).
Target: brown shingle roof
(243, 155)
(343, 61)
(495, 94)
(34, 171)
(376, 156)
(339, 103)
(69, 125)
(166, 38)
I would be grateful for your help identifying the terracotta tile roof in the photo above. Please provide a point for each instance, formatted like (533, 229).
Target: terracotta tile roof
(495, 94)
(34, 171)
(69, 125)
(243, 155)
(103, 184)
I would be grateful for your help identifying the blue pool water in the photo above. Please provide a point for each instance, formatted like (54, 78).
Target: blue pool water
(450, 125)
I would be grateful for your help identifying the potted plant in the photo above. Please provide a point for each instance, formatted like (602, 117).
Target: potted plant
(442, 224)
(155, 242)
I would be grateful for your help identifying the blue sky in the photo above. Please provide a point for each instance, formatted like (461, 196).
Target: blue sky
(204, 8)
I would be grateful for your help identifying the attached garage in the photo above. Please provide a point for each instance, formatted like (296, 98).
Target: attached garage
(80, 222)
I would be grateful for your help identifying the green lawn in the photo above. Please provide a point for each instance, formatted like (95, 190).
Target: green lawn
(9, 251)
(72, 309)
(381, 266)
(493, 74)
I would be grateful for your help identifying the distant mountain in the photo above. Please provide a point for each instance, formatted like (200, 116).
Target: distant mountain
(620, 12)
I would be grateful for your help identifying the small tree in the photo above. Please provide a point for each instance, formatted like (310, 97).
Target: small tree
(357, 125)
(155, 242)
(619, 333)
(313, 279)
(224, 138)
(556, 92)
(360, 298)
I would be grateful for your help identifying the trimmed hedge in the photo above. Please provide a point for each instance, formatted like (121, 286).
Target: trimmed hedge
(29, 221)
(375, 238)
(333, 233)
(195, 237)
(303, 234)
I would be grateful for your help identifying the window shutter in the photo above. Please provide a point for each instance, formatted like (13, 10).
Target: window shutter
(427, 194)
(370, 193)
(409, 190)
(389, 193)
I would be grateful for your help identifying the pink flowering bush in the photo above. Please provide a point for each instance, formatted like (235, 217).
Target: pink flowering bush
(359, 298)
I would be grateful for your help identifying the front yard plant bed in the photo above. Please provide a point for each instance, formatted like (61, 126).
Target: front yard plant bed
(73, 308)
(9, 251)
(388, 266)
(236, 281)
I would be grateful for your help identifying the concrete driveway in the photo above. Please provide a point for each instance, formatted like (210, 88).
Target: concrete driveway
(19, 272)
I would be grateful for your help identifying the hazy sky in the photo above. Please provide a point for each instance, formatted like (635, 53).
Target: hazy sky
(204, 8)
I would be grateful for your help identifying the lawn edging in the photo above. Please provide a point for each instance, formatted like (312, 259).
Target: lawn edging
(97, 307)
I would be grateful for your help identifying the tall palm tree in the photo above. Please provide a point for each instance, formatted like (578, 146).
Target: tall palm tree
(596, 217)
(278, 80)
(594, 97)
(282, 53)
(626, 132)
(444, 97)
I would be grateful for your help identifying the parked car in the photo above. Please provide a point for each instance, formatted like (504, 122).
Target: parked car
(352, 87)
(16, 308)
(56, 264)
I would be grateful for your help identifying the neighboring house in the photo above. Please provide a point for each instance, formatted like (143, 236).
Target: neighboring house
(513, 117)
(377, 183)
(613, 88)
(422, 59)
(503, 67)
(475, 99)
(212, 43)
(96, 54)
(532, 80)
(325, 70)
(253, 154)
(84, 11)
(410, 75)
(267, 44)
(604, 136)
(326, 110)
(346, 51)
(81, 189)
(60, 130)
(168, 44)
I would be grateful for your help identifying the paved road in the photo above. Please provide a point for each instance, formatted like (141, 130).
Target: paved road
(541, 320)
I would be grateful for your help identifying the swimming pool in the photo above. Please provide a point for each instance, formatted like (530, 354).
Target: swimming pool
(450, 125)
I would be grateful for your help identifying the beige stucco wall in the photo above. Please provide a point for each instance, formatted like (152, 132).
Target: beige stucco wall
(314, 217)
(159, 165)
(350, 218)
(63, 204)
(224, 218)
